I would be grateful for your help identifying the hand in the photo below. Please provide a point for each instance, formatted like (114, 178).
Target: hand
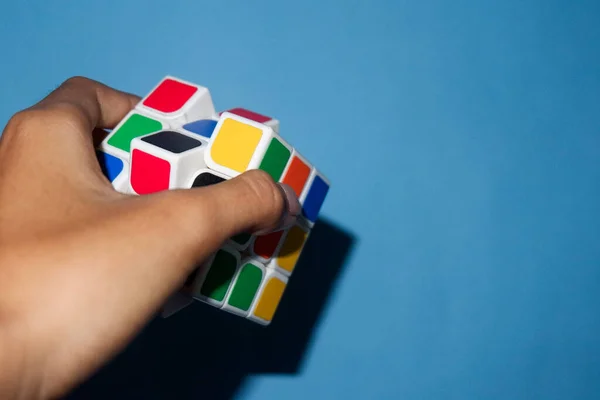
(83, 267)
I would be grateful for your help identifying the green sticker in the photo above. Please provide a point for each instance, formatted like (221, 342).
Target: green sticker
(135, 126)
(241, 238)
(219, 276)
(275, 159)
(245, 287)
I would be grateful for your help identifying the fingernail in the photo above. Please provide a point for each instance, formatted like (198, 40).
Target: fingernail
(290, 213)
(293, 205)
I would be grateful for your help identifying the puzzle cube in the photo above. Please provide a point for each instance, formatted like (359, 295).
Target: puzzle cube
(174, 139)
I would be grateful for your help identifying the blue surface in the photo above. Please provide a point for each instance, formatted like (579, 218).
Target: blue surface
(462, 142)
(203, 127)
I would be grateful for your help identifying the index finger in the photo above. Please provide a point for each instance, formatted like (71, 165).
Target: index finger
(90, 102)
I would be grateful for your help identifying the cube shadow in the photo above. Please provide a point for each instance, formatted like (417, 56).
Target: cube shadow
(203, 352)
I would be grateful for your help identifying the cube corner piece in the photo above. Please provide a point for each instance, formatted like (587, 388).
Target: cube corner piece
(178, 101)
(237, 145)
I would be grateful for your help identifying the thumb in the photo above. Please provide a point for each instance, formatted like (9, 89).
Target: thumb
(205, 217)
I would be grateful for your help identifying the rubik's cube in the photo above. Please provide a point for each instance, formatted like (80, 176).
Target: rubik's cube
(175, 139)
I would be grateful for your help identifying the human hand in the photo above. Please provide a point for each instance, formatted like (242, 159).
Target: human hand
(83, 267)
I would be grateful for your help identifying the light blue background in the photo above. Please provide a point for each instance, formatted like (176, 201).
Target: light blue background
(463, 143)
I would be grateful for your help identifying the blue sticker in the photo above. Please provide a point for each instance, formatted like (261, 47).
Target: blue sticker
(111, 165)
(202, 127)
(315, 198)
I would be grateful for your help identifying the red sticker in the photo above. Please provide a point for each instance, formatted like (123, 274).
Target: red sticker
(149, 174)
(265, 246)
(170, 96)
(242, 112)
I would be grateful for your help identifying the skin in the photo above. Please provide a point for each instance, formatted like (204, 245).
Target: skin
(82, 267)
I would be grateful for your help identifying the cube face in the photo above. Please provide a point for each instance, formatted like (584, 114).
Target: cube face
(297, 173)
(202, 127)
(169, 96)
(133, 126)
(149, 173)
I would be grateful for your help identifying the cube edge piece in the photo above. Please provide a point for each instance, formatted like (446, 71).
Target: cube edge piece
(104, 145)
(303, 159)
(315, 172)
(234, 310)
(198, 283)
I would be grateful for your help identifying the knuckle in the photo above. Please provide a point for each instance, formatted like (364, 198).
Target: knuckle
(76, 80)
(21, 120)
(33, 120)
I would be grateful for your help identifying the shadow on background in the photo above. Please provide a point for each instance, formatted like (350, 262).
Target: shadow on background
(203, 352)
